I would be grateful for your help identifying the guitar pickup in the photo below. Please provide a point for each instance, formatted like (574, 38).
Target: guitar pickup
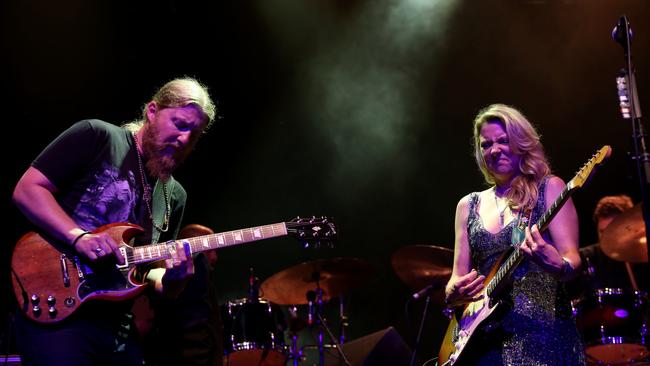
(126, 258)
(81, 267)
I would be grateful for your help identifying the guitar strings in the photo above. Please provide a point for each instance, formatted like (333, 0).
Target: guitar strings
(135, 254)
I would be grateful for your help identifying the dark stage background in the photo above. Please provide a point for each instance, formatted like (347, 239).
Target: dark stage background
(358, 110)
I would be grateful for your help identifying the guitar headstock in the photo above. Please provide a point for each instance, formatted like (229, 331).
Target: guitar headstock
(313, 231)
(583, 175)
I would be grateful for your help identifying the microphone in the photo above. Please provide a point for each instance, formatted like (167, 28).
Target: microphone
(426, 291)
(622, 33)
(311, 296)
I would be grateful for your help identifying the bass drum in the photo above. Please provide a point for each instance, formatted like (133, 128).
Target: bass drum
(253, 333)
(614, 323)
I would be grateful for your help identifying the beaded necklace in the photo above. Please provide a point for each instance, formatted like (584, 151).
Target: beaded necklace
(147, 192)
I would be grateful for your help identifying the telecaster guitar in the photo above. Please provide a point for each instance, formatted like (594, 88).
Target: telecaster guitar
(50, 281)
(482, 315)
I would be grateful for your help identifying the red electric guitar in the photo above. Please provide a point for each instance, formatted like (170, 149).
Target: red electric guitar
(50, 281)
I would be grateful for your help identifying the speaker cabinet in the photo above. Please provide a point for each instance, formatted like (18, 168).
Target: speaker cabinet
(383, 348)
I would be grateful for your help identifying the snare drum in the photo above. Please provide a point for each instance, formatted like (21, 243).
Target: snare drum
(613, 322)
(253, 333)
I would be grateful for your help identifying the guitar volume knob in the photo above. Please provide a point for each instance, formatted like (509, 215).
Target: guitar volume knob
(52, 311)
(69, 302)
(35, 299)
(51, 300)
(36, 310)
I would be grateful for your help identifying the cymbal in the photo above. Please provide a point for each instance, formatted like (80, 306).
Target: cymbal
(419, 266)
(624, 239)
(334, 276)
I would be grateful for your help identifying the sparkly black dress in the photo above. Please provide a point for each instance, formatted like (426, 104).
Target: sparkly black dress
(539, 329)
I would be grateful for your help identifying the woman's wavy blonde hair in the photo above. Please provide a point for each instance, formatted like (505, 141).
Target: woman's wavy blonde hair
(525, 142)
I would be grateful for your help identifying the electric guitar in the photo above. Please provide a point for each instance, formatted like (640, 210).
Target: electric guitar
(482, 315)
(51, 281)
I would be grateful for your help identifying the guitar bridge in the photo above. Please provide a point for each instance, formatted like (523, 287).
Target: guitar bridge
(64, 270)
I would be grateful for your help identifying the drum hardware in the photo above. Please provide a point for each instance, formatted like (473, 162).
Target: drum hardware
(343, 319)
(426, 269)
(295, 325)
(314, 284)
(322, 346)
(613, 322)
(253, 286)
(315, 319)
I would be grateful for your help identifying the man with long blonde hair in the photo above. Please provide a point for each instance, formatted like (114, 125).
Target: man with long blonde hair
(94, 174)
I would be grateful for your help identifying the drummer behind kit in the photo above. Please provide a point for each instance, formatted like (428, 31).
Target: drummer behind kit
(612, 312)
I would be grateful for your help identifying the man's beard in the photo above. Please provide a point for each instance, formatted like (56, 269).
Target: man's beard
(160, 165)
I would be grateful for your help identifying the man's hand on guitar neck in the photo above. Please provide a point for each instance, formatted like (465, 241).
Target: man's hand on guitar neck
(97, 246)
(464, 289)
(171, 280)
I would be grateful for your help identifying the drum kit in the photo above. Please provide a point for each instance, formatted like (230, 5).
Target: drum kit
(255, 327)
(613, 321)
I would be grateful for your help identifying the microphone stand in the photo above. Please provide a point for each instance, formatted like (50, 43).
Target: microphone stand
(336, 344)
(631, 109)
(419, 336)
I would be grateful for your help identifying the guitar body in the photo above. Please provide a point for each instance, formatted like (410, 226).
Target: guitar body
(51, 282)
(466, 326)
(477, 319)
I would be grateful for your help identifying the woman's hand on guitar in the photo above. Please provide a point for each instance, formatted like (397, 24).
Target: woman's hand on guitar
(465, 289)
(541, 252)
(98, 246)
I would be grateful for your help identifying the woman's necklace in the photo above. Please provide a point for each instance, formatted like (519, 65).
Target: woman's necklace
(146, 195)
(501, 211)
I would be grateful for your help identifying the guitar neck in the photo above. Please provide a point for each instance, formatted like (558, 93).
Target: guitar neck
(542, 223)
(160, 251)
(515, 258)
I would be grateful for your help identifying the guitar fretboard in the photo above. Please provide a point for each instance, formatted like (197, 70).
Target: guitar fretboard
(156, 252)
